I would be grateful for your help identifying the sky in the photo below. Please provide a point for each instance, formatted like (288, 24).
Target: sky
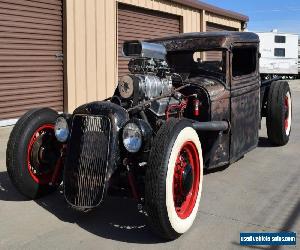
(265, 15)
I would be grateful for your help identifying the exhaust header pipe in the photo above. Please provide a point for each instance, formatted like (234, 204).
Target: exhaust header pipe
(212, 126)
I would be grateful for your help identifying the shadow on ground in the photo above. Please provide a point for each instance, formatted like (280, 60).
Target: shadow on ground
(7, 190)
(264, 143)
(117, 219)
(215, 170)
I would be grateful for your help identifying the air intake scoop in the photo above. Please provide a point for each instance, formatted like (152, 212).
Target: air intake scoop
(138, 49)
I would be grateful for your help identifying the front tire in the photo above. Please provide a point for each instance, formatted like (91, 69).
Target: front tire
(174, 179)
(33, 153)
(279, 113)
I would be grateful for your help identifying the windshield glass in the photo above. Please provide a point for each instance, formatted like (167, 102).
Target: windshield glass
(200, 63)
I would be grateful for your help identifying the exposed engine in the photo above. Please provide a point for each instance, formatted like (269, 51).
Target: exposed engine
(149, 77)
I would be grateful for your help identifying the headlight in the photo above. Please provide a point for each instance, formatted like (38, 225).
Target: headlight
(132, 138)
(61, 129)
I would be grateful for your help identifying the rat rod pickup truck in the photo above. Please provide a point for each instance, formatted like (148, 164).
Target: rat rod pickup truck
(190, 102)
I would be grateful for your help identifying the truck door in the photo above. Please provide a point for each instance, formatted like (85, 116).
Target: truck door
(245, 96)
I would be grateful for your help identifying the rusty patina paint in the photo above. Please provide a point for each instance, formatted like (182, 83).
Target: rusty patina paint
(234, 99)
(206, 40)
(217, 148)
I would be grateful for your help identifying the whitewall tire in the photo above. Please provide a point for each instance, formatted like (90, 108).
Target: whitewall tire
(174, 179)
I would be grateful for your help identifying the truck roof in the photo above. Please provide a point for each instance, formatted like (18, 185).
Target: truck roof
(206, 40)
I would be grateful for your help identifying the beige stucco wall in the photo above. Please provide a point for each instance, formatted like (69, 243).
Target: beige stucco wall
(91, 26)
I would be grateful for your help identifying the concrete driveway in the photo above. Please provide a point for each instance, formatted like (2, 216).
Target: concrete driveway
(258, 193)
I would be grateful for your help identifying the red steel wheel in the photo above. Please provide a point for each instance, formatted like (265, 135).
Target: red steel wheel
(186, 180)
(288, 111)
(43, 154)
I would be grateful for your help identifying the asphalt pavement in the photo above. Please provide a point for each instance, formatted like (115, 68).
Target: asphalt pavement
(261, 192)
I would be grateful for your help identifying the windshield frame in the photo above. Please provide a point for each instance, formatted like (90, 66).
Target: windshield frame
(182, 62)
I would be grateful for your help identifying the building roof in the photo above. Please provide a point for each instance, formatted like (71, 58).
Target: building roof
(213, 9)
(206, 40)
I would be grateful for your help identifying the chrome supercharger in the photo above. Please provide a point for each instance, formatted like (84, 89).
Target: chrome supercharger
(143, 86)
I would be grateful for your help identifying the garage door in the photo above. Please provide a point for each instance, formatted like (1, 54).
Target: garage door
(211, 27)
(137, 23)
(31, 67)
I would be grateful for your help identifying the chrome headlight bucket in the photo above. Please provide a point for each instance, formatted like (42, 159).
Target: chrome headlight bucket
(61, 129)
(132, 137)
(137, 135)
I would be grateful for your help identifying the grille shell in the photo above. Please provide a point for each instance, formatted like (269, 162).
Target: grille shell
(87, 159)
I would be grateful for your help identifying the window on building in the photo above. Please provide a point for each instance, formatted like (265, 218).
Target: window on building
(279, 52)
(280, 39)
(243, 61)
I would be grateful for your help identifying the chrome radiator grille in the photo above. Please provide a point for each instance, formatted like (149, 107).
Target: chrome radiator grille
(87, 159)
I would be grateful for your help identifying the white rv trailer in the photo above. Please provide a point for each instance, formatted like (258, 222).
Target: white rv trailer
(279, 53)
(298, 57)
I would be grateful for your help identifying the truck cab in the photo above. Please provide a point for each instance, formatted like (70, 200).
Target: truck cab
(229, 63)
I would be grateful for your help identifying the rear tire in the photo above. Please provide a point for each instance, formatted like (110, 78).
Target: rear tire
(279, 113)
(33, 152)
(174, 179)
